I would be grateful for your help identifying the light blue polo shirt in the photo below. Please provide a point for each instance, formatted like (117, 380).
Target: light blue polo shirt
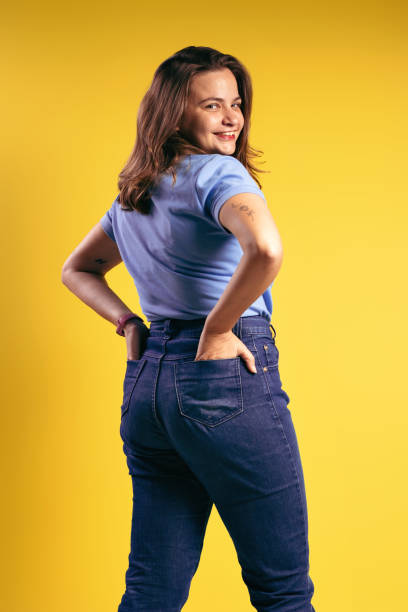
(180, 256)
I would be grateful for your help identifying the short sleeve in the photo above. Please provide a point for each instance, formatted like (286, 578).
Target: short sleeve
(107, 221)
(220, 178)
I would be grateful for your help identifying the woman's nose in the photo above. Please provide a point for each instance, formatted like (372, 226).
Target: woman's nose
(229, 118)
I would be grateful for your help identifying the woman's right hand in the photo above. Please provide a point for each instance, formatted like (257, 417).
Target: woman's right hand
(223, 345)
(136, 338)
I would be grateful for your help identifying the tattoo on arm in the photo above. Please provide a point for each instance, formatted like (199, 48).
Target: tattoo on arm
(244, 208)
(101, 261)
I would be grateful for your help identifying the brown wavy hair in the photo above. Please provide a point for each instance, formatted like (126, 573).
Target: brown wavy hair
(159, 146)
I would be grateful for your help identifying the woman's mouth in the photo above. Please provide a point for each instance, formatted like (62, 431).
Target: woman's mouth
(225, 135)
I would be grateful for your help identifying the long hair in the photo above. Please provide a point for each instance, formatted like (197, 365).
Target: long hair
(159, 146)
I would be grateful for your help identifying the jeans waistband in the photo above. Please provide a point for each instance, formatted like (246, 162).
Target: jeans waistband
(256, 324)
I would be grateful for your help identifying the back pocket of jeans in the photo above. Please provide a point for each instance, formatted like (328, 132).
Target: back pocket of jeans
(133, 370)
(209, 391)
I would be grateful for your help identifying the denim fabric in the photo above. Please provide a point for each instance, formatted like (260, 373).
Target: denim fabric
(202, 432)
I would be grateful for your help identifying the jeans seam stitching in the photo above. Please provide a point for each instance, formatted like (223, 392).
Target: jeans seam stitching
(291, 457)
(265, 379)
(154, 397)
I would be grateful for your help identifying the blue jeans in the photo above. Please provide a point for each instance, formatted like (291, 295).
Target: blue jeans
(202, 432)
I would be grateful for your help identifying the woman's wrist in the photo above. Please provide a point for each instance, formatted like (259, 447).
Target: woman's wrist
(123, 319)
(134, 324)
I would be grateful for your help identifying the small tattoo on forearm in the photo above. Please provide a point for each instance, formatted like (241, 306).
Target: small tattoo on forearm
(101, 261)
(244, 208)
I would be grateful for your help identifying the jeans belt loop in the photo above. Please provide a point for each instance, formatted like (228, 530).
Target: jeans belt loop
(167, 327)
(274, 336)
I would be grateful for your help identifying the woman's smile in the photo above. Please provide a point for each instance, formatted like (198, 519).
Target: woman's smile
(226, 135)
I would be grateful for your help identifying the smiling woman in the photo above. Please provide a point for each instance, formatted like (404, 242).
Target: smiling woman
(215, 126)
(204, 418)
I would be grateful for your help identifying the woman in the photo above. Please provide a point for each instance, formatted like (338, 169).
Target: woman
(204, 418)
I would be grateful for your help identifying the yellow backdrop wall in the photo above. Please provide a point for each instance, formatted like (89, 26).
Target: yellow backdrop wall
(330, 99)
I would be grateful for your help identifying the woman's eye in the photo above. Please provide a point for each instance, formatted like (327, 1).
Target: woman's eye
(214, 104)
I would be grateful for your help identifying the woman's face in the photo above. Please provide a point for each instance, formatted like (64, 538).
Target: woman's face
(213, 107)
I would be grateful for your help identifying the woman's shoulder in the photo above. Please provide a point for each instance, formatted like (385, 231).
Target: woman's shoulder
(216, 158)
(217, 161)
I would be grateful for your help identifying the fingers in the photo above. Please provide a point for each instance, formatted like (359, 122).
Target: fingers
(249, 359)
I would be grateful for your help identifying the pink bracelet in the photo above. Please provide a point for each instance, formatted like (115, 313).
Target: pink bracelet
(124, 319)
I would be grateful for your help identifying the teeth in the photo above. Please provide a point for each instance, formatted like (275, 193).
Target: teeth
(225, 133)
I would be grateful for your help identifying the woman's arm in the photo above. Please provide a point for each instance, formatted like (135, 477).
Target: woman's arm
(84, 274)
(253, 275)
(247, 216)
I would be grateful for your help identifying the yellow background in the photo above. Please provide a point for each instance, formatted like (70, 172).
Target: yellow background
(330, 114)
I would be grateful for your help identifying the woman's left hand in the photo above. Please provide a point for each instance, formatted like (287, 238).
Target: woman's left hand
(136, 337)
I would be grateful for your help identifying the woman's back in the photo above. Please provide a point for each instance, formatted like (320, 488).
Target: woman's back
(179, 255)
